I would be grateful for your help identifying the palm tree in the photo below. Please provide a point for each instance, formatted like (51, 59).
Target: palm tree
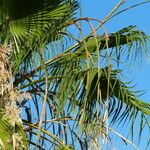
(60, 96)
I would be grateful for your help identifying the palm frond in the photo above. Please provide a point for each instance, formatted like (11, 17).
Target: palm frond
(28, 30)
(132, 40)
(117, 90)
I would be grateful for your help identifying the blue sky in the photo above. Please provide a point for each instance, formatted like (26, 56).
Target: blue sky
(138, 73)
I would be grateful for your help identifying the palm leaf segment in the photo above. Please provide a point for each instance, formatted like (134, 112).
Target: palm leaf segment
(130, 37)
(120, 95)
(40, 15)
(28, 25)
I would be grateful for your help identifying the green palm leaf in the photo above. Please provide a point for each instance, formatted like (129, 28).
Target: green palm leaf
(29, 30)
(117, 90)
(129, 37)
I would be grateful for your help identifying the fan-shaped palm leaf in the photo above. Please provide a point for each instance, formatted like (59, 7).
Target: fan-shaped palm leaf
(28, 30)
